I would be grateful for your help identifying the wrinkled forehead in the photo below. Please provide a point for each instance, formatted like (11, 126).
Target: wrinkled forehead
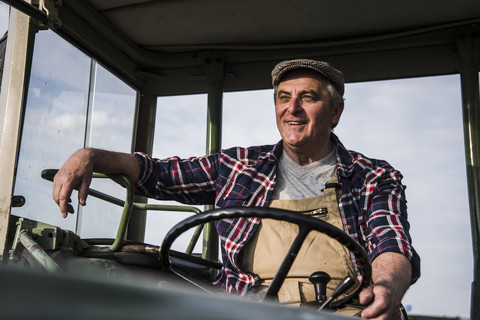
(306, 74)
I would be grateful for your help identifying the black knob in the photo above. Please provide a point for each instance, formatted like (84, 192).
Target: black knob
(320, 280)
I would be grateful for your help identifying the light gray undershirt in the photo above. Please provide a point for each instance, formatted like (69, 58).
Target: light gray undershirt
(298, 182)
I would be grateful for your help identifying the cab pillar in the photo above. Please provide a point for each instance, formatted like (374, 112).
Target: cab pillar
(468, 45)
(142, 142)
(16, 71)
(214, 64)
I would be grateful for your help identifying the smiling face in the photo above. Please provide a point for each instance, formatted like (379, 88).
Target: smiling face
(305, 115)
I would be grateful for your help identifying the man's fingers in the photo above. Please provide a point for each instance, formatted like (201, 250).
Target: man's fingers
(63, 187)
(59, 197)
(64, 201)
(56, 191)
(366, 295)
(83, 190)
(76, 172)
(382, 307)
(375, 310)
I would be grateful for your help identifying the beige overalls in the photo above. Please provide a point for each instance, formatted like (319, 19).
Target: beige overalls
(264, 253)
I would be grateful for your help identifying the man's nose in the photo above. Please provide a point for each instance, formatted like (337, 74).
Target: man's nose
(294, 105)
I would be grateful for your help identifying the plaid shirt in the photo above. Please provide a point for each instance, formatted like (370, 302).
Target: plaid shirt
(373, 205)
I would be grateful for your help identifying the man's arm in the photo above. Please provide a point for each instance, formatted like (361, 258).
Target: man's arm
(391, 275)
(78, 169)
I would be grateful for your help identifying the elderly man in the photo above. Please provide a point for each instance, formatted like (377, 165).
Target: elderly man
(309, 171)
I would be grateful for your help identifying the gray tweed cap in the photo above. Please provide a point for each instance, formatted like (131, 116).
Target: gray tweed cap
(324, 68)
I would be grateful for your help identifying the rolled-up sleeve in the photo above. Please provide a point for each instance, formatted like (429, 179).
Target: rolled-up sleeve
(386, 227)
(190, 181)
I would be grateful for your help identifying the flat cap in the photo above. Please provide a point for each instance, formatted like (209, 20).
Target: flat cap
(324, 68)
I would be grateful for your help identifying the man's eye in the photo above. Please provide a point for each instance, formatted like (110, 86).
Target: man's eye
(308, 98)
(283, 98)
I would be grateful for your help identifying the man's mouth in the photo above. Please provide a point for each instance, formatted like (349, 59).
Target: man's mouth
(295, 123)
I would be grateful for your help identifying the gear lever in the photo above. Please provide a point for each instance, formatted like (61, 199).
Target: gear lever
(320, 280)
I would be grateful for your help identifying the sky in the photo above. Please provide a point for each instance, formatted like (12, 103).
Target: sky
(3, 18)
(414, 124)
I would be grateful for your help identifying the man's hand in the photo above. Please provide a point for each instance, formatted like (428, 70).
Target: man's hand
(77, 171)
(391, 273)
(385, 305)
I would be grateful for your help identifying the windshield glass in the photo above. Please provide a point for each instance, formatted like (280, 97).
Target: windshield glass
(72, 103)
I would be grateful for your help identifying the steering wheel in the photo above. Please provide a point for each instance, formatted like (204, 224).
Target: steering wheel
(305, 224)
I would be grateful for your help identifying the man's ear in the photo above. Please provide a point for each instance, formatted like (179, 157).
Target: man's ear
(337, 113)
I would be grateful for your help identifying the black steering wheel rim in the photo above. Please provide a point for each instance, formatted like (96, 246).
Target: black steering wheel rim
(305, 223)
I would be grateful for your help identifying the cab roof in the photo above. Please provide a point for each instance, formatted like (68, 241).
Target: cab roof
(166, 45)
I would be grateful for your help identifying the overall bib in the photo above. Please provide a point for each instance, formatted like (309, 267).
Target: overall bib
(264, 253)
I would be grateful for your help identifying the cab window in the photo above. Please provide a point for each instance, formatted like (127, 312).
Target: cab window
(72, 103)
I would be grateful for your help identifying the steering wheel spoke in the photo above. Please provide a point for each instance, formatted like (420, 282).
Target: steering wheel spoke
(287, 263)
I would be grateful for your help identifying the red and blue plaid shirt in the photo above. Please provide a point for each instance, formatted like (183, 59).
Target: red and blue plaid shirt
(373, 205)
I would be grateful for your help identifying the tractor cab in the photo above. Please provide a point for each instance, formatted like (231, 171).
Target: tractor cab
(93, 73)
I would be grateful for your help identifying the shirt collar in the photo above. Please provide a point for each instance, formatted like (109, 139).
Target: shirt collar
(272, 154)
(344, 158)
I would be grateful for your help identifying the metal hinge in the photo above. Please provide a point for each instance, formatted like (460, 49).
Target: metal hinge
(50, 7)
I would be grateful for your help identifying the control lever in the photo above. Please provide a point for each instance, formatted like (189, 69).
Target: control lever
(319, 280)
(343, 286)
